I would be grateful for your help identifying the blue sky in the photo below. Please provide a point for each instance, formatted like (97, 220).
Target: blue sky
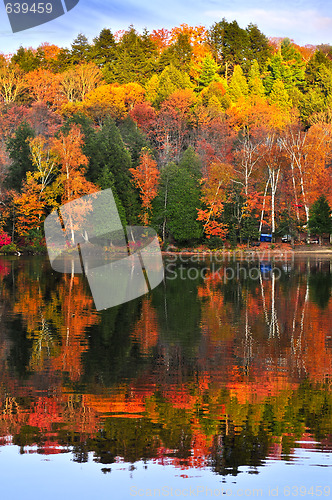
(306, 21)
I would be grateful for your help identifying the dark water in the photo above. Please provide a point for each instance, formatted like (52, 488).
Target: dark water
(216, 384)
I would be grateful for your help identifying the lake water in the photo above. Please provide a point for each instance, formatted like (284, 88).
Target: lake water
(216, 384)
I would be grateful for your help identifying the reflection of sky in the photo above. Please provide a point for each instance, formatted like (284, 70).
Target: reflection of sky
(32, 476)
(306, 21)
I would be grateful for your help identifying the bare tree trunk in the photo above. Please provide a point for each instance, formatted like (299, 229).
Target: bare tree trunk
(263, 208)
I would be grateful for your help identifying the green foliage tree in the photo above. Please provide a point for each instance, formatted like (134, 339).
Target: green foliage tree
(81, 50)
(238, 86)
(279, 96)
(312, 102)
(255, 83)
(134, 139)
(114, 158)
(230, 45)
(134, 59)
(178, 54)
(320, 221)
(26, 59)
(19, 153)
(175, 208)
(104, 48)
(109, 163)
(170, 80)
(208, 73)
(318, 60)
(259, 48)
(285, 65)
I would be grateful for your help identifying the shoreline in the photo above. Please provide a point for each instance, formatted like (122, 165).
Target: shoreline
(252, 252)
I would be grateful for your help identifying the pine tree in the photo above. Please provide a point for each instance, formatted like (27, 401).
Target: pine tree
(279, 96)
(133, 138)
(208, 73)
(230, 45)
(115, 158)
(135, 61)
(26, 59)
(19, 153)
(170, 80)
(238, 86)
(81, 50)
(104, 48)
(320, 221)
(255, 84)
(178, 54)
(259, 45)
(175, 208)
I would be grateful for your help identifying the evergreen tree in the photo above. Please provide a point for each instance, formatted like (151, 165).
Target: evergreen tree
(19, 153)
(259, 48)
(230, 45)
(81, 50)
(320, 221)
(104, 48)
(114, 158)
(318, 60)
(238, 86)
(175, 208)
(170, 80)
(136, 57)
(133, 138)
(98, 172)
(106, 181)
(208, 73)
(279, 96)
(26, 59)
(286, 65)
(293, 59)
(62, 62)
(178, 54)
(255, 83)
(312, 102)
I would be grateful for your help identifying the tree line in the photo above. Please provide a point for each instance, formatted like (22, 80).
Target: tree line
(206, 134)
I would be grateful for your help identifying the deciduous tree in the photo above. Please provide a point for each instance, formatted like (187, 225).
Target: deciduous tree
(145, 178)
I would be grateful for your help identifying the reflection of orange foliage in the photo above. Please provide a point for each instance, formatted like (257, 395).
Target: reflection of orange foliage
(44, 412)
(29, 302)
(145, 330)
(132, 406)
(259, 387)
(215, 314)
(180, 397)
(317, 356)
(77, 316)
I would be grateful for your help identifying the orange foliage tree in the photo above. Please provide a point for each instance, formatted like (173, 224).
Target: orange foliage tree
(214, 197)
(73, 164)
(44, 86)
(39, 193)
(145, 178)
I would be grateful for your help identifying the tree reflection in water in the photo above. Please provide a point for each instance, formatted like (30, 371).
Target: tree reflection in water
(199, 373)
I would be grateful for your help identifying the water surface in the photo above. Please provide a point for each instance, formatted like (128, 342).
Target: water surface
(216, 383)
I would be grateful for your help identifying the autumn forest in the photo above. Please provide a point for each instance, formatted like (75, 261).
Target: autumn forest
(206, 134)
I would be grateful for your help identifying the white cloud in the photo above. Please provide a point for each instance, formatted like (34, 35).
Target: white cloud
(305, 26)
